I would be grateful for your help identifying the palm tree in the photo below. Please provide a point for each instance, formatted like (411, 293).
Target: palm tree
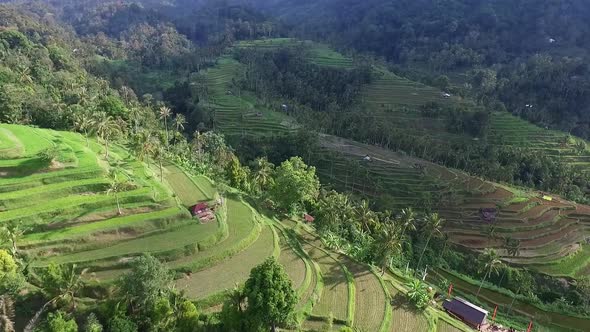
(12, 233)
(491, 263)
(390, 242)
(433, 225)
(179, 122)
(407, 218)
(366, 215)
(6, 314)
(83, 123)
(165, 113)
(116, 186)
(158, 153)
(490, 232)
(106, 128)
(63, 284)
(263, 173)
(512, 246)
(135, 114)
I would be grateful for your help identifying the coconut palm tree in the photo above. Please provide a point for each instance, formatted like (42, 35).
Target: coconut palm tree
(491, 232)
(407, 218)
(263, 170)
(179, 122)
(365, 215)
(6, 314)
(59, 284)
(491, 263)
(417, 293)
(433, 225)
(512, 246)
(158, 154)
(135, 114)
(106, 128)
(165, 113)
(83, 124)
(116, 186)
(389, 240)
(12, 232)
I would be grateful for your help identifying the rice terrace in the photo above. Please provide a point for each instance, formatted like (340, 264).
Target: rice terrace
(70, 217)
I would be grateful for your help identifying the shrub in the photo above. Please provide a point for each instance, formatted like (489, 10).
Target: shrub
(121, 324)
(59, 322)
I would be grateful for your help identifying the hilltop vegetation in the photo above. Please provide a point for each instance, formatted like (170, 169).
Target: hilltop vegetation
(518, 54)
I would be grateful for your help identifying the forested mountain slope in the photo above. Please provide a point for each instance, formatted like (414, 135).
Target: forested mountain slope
(524, 53)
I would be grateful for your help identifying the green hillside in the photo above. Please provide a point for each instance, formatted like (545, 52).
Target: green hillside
(549, 231)
(70, 217)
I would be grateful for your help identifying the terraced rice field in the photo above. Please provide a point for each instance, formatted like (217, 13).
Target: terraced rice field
(231, 272)
(187, 189)
(235, 114)
(404, 317)
(548, 231)
(443, 326)
(371, 302)
(335, 295)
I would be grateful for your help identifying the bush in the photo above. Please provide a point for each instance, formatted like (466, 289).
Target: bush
(92, 324)
(60, 322)
(121, 324)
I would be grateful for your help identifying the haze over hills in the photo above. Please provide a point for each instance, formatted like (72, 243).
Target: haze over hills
(160, 159)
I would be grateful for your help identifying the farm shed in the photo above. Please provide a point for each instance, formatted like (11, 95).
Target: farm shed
(488, 214)
(469, 313)
(308, 218)
(199, 208)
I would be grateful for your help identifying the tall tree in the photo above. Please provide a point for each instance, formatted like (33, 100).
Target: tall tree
(59, 283)
(263, 172)
(106, 128)
(83, 124)
(432, 226)
(179, 122)
(117, 185)
(146, 282)
(165, 113)
(389, 241)
(365, 215)
(295, 184)
(407, 218)
(490, 263)
(270, 295)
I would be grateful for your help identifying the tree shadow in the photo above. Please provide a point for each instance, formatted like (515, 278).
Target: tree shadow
(25, 168)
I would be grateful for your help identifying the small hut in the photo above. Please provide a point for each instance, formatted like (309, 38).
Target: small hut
(199, 208)
(308, 218)
(203, 212)
(488, 214)
(466, 311)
